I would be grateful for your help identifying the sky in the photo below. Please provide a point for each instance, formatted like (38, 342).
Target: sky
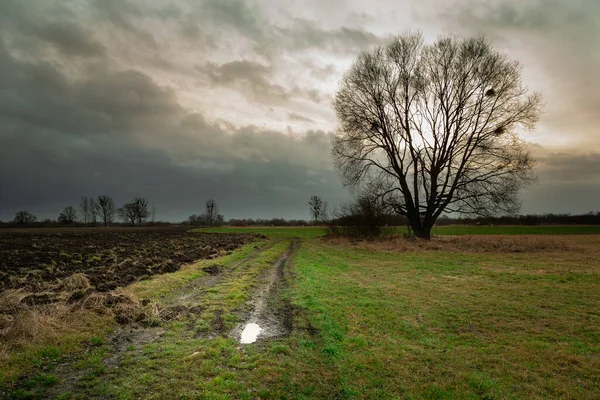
(185, 100)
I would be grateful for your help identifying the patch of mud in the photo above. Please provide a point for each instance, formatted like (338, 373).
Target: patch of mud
(271, 315)
(129, 338)
(212, 269)
(179, 311)
(132, 337)
(218, 324)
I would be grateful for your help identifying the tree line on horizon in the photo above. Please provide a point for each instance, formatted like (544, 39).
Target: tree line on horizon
(100, 210)
(589, 218)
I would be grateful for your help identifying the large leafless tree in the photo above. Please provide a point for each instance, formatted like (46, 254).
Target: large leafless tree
(434, 128)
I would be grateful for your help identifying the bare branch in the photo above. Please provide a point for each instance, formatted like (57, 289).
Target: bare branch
(440, 121)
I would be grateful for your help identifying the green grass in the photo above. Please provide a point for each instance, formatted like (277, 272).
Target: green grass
(41, 354)
(309, 232)
(516, 230)
(164, 285)
(449, 325)
(315, 232)
(378, 324)
(434, 325)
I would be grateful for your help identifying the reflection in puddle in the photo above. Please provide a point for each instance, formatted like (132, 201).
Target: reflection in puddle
(250, 333)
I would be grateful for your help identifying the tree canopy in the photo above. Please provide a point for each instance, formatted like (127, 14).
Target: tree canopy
(434, 128)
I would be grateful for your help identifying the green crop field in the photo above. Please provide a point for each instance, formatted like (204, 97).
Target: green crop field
(476, 313)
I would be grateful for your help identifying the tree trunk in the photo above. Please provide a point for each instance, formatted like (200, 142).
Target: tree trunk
(426, 233)
(420, 230)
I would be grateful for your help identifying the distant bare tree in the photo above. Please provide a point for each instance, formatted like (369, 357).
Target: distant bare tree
(195, 219)
(105, 209)
(141, 209)
(128, 213)
(68, 216)
(363, 216)
(211, 212)
(315, 206)
(433, 128)
(153, 213)
(24, 217)
(93, 211)
(84, 205)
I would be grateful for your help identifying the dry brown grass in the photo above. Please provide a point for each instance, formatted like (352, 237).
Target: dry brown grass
(22, 324)
(469, 243)
(67, 321)
(11, 300)
(41, 325)
(125, 307)
(74, 283)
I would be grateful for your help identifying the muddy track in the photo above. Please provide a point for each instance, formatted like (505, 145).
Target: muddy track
(195, 290)
(189, 296)
(135, 336)
(270, 310)
(130, 338)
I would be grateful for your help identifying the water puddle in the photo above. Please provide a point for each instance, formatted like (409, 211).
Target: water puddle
(250, 333)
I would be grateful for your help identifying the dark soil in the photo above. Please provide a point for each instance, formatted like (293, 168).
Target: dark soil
(212, 269)
(36, 260)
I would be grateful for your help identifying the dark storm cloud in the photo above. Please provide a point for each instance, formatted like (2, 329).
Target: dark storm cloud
(119, 133)
(40, 96)
(125, 15)
(70, 39)
(535, 14)
(254, 81)
(225, 24)
(561, 167)
(37, 28)
(237, 14)
(305, 34)
(91, 95)
(57, 172)
(568, 182)
(248, 77)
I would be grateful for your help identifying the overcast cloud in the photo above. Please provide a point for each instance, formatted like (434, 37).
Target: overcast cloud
(189, 100)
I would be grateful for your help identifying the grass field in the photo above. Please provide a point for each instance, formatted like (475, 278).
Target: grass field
(470, 317)
(313, 232)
